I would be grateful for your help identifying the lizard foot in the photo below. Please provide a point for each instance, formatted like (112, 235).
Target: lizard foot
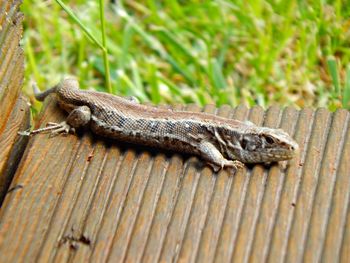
(234, 165)
(54, 128)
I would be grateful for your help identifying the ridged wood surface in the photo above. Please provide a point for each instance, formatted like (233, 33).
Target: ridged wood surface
(14, 109)
(83, 198)
(11, 57)
(12, 145)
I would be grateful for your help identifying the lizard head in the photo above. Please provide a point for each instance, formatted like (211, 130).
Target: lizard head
(265, 145)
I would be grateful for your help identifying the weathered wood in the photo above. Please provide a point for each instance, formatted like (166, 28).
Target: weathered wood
(11, 58)
(84, 198)
(11, 144)
(14, 110)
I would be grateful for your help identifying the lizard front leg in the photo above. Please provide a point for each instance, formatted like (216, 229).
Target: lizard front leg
(211, 154)
(77, 118)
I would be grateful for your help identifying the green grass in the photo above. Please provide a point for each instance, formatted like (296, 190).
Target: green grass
(222, 52)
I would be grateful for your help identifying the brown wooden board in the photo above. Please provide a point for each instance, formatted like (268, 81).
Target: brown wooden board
(84, 198)
(14, 109)
(12, 145)
(11, 57)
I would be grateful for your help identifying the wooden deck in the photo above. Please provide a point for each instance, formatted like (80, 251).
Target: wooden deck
(81, 198)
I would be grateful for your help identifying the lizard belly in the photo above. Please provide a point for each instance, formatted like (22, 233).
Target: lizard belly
(154, 133)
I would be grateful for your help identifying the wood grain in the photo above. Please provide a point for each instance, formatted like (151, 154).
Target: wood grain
(11, 144)
(14, 109)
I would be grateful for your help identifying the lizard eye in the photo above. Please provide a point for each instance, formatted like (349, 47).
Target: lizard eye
(269, 140)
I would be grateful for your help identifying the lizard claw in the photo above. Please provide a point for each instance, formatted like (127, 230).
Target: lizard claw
(24, 133)
(49, 124)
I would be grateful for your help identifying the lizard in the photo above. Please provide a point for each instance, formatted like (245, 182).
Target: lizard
(221, 142)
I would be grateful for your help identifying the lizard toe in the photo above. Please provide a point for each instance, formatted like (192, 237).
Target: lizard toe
(234, 165)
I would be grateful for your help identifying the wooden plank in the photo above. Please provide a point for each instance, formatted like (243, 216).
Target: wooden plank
(11, 58)
(11, 144)
(90, 199)
(14, 109)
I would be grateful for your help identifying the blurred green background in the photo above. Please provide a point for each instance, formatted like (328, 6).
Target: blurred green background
(219, 52)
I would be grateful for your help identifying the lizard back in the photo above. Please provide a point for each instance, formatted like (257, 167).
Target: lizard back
(119, 118)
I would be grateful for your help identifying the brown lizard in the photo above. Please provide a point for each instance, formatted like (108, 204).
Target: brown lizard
(222, 142)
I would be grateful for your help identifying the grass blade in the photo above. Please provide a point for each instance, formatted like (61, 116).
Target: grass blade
(102, 46)
(346, 94)
(333, 70)
(104, 50)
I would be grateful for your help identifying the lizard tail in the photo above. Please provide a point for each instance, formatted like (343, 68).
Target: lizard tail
(40, 96)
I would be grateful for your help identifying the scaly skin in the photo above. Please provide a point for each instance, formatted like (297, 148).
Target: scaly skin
(222, 142)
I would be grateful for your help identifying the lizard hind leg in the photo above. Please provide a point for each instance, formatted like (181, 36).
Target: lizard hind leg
(215, 159)
(77, 118)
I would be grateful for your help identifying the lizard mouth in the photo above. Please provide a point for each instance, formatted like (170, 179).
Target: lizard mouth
(271, 155)
(283, 154)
